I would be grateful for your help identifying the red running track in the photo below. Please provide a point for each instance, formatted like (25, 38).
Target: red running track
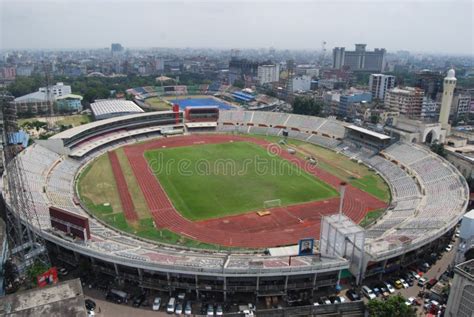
(125, 198)
(285, 225)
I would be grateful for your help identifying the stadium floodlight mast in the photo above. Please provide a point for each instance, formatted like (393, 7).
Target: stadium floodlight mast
(342, 191)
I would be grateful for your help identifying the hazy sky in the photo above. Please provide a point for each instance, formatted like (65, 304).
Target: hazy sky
(444, 26)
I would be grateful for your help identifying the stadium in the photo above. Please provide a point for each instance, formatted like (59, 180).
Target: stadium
(164, 97)
(205, 234)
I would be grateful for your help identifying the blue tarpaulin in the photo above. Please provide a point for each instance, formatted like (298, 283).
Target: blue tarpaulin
(19, 138)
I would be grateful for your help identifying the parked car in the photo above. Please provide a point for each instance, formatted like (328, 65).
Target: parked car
(337, 299)
(90, 304)
(376, 291)
(179, 309)
(353, 295)
(421, 282)
(116, 296)
(423, 268)
(410, 301)
(219, 311)
(324, 301)
(210, 310)
(398, 284)
(138, 300)
(171, 305)
(431, 283)
(449, 247)
(384, 291)
(368, 292)
(415, 274)
(404, 283)
(188, 308)
(389, 287)
(156, 303)
(181, 296)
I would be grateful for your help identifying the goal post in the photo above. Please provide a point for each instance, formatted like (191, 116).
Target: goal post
(267, 204)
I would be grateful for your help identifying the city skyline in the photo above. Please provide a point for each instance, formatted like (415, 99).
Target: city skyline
(425, 26)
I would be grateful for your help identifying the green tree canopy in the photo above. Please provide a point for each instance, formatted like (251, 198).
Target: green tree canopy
(438, 148)
(307, 106)
(394, 306)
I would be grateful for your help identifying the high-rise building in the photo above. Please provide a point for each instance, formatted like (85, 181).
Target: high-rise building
(353, 97)
(461, 296)
(407, 101)
(430, 109)
(242, 69)
(268, 73)
(116, 48)
(449, 84)
(57, 90)
(360, 59)
(338, 57)
(301, 83)
(461, 105)
(379, 84)
(431, 82)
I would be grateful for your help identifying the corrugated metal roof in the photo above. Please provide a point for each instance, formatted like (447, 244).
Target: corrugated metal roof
(114, 106)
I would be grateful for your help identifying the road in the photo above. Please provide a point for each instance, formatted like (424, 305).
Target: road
(434, 272)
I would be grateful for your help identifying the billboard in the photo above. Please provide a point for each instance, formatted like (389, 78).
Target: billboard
(47, 278)
(306, 246)
(70, 223)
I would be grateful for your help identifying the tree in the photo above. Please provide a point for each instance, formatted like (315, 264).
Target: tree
(306, 106)
(36, 269)
(374, 119)
(438, 148)
(394, 306)
(469, 255)
(239, 84)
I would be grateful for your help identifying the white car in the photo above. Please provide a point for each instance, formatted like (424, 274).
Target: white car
(179, 309)
(156, 303)
(422, 281)
(415, 275)
(410, 301)
(404, 283)
(210, 310)
(368, 292)
(342, 299)
(449, 247)
(219, 311)
(390, 288)
(188, 309)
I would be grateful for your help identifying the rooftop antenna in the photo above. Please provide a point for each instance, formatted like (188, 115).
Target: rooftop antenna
(323, 53)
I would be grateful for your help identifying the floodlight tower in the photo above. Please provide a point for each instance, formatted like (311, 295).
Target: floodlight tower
(342, 191)
(26, 245)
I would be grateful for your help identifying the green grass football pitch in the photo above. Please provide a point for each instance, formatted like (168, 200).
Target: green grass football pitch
(215, 180)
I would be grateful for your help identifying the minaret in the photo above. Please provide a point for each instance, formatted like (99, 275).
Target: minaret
(448, 91)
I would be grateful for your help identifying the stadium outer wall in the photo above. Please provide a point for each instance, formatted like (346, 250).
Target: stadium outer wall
(257, 280)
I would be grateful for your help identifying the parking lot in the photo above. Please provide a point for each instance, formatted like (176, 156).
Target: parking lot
(434, 272)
